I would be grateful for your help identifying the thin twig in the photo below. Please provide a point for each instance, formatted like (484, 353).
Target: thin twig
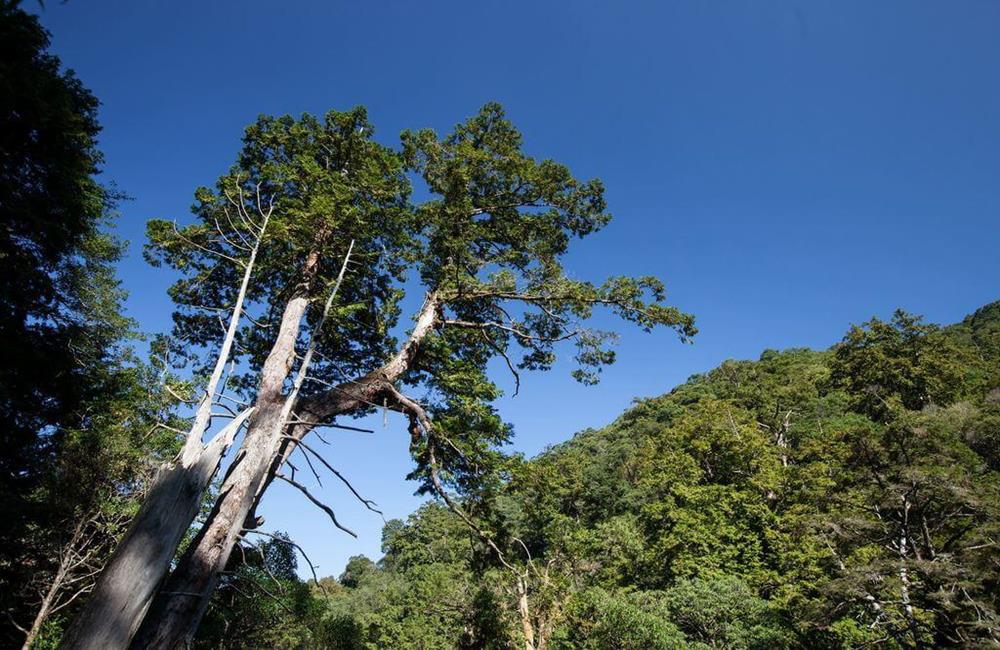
(327, 509)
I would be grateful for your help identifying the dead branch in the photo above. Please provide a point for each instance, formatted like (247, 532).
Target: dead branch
(327, 509)
(312, 567)
(368, 503)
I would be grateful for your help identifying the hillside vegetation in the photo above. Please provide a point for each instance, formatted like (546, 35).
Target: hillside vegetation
(841, 498)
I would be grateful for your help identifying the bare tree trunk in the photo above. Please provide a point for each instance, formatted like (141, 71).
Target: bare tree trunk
(904, 577)
(525, 614)
(129, 581)
(174, 618)
(177, 610)
(127, 585)
(178, 606)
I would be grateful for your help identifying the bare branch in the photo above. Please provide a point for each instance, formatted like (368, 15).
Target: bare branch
(510, 366)
(206, 249)
(311, 467)
(368, 503)
(332, 425)
(327, 509)
(312, 567)
(241, 247)
(519, 333)
(193, 444)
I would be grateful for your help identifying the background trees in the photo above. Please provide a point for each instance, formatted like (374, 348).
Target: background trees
(759, 505)
(79, 410)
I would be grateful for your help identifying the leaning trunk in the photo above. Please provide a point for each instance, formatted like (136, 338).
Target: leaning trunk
(43, 613)
(130, 579)
(177, 610)
(174, 618)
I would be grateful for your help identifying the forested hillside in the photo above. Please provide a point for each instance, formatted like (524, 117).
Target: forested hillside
(841, 498)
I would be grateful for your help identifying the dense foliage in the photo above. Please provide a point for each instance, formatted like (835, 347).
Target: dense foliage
(836, 499)
(79, 412)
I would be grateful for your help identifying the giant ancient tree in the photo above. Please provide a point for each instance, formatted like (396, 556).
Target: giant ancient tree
(486, 251)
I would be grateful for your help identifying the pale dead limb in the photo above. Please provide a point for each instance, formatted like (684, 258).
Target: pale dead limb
(126, 586)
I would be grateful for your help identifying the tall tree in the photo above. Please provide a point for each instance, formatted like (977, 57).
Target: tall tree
(66, 363)
(52, 325)
(487, 253)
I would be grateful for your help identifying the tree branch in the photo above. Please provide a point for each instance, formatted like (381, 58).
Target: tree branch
(327, 509)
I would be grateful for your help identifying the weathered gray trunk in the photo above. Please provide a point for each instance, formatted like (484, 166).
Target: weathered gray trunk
(128, 582)
(174, 618)
(127, 585)
(131, 577)
(524, 612)
(178, 608)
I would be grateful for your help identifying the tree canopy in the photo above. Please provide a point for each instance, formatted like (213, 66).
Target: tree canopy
(764, 504)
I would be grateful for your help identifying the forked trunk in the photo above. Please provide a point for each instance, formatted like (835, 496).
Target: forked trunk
(178, 608)
(174, 618)
(135, 571)
(130, 579)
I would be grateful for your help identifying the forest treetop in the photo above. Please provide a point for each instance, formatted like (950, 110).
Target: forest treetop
(486, 248)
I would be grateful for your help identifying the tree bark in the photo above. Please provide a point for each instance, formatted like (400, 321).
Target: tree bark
(127, 585)
(131, 577)
(174, 618)
(524, 612)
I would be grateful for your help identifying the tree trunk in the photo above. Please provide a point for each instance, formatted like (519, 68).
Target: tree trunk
(524, 612)
(177, 610)
(127, 585)
(174, 618)
(131, 577)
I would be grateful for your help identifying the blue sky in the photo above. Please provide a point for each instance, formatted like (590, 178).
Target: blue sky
(786, 167)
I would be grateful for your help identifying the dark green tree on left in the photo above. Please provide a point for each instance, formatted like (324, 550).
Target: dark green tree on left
(74, 405)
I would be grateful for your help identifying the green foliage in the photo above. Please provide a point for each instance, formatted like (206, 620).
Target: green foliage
(78, 410)
(329, 183)
(59, 304)
(631, 621)
(724, 612)
(260, 602)
(760, 505)
(902, 364)
(419, 596)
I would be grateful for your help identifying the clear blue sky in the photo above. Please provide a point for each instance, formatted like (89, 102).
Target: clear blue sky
(787, 167)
